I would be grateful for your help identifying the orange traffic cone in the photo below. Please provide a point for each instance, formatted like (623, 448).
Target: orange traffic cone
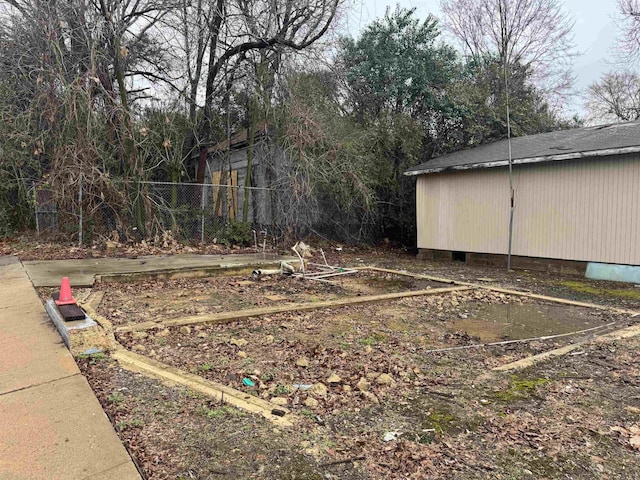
(65, 297)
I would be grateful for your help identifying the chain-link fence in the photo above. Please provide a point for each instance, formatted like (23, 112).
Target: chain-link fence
(160, 211)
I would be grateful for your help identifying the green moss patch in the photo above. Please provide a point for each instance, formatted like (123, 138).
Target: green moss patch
(583, 287)
(519, 388)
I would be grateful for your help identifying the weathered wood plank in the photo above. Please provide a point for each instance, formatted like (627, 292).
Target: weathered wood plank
(300, 307)
(504, 290)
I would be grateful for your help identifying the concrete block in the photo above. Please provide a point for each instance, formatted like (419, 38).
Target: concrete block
(614, 273)
(80, 336)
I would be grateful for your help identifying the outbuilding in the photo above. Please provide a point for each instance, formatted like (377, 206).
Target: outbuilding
(235, 179)
(576, 201)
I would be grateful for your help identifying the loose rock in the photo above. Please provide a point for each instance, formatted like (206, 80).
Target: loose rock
(385, 379)
(313, 451)
(371, 397)
(363, 385)
(238, 342)
(319, 389)
(302, 362)
(311, 402)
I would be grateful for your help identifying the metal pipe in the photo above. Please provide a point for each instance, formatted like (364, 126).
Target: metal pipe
(261, 271)
(202, 200)
(524, 340)
(286, 268)
(302, 268)
(329, 275)
(324, 258)
(264, 234)
(511, 194)
(319, 280)
(35, 204)
(323, 268)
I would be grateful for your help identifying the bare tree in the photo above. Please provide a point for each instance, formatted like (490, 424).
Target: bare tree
(238, 27)
(628, 44)
(534, 33)
(616, 97)
(188, 25)
(116, 41)
(78, 65)
(127, 32)
(259, 24)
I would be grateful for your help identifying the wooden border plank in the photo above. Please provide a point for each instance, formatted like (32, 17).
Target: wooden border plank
(504, 290)
(621, 334)
(166, 373)
(227, 317)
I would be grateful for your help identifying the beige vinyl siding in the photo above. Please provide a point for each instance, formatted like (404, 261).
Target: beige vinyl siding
(573, 210)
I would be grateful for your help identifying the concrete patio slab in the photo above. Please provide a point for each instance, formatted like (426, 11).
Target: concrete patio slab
(82, 272)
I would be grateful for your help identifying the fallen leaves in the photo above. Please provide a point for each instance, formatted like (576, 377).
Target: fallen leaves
(629, 435)
(354, 373)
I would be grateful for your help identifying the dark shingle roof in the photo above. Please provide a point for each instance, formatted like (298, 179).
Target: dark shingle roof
(584, 142)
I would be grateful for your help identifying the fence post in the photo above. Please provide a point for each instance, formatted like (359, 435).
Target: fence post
(202, 200)
(80, 205)
(35, 206)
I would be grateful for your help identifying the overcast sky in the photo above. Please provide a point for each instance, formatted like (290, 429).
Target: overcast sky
(594, 32)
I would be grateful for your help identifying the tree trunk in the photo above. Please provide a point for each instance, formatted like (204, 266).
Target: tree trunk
(251, 139)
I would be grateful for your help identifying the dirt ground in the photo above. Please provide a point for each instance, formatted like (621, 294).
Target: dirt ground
(29, 247)
(397, 389)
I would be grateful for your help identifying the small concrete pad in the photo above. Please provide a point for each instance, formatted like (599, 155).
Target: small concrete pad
(46, 435)
(65, 328)
(81, 273)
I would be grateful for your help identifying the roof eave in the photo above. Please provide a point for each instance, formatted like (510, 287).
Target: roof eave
(522, 161)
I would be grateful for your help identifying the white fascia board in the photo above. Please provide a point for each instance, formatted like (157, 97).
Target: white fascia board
(523, 161)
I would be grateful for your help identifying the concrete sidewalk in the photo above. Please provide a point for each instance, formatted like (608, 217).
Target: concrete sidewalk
(51, 424)
(81, 273)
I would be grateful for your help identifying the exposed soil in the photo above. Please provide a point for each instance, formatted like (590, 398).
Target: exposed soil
(575, 417)
(371, 397)
(160, 300)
